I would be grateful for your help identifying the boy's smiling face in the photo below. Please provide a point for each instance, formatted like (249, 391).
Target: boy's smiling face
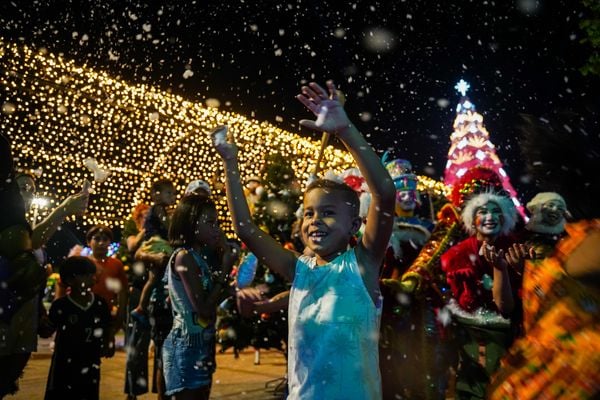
(328, 223)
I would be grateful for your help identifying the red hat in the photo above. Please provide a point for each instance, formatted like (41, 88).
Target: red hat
(476, 180)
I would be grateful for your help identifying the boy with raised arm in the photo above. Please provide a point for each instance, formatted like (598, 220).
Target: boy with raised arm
(335, 304)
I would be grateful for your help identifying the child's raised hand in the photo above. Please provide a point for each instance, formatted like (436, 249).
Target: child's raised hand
(327, 107)
(227, 150)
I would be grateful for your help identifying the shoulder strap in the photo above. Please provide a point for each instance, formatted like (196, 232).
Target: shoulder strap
(171, 264)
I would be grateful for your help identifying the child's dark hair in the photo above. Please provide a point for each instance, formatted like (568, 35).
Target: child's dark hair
(182, 231)
(24, 174)
(75, 266)
(99, 229)
(160, 185)
(350, 197)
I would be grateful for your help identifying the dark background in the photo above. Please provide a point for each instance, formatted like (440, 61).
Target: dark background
(519, 57)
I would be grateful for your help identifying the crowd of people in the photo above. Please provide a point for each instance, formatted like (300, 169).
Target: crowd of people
(382, 303)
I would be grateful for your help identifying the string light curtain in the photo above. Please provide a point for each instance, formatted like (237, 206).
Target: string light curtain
(58, 114)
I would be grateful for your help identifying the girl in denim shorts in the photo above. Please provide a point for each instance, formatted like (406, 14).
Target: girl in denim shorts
(189, 349)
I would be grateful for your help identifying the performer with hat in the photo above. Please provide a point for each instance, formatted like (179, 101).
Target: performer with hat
(400, 356)
(483, 274)
(424, 282)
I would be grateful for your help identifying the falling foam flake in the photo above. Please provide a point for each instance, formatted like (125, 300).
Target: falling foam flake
(443, 103)
(212, 102)
(379, 40)
(8, 108)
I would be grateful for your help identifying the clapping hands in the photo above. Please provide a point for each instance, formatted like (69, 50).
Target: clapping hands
(514, 256)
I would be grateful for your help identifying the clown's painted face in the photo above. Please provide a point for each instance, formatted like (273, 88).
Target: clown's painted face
(406, 200)
(488, 220)
(552, 212)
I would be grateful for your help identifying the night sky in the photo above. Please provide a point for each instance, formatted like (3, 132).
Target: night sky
(397, 61)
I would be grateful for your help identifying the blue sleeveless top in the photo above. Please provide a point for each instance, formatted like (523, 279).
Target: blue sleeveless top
(184, 316)
(334, 331)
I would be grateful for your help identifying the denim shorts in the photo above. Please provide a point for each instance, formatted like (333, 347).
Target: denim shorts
(188, 364)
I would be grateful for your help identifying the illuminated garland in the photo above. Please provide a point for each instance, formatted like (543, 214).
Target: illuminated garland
(57, 114)
(427, 184)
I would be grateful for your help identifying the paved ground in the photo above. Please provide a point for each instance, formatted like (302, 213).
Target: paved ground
(234, 379)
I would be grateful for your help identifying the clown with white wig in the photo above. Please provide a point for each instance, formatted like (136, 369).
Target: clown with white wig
(482, 272)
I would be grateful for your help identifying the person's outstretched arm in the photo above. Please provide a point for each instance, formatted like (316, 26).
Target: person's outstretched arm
(332, 118)
(267, 249)
(73, 205)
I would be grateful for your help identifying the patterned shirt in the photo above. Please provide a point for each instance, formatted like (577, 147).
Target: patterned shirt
(559, 356)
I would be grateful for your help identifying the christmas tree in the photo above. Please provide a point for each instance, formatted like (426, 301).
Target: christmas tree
(471, 146)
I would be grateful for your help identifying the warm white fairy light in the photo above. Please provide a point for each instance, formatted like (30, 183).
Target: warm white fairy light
(429, 185)
(58, 114)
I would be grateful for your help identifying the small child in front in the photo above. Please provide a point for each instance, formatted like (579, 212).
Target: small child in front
(82, 324)
(335, 304)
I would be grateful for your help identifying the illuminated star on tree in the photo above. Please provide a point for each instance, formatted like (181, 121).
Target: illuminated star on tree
(462, 86)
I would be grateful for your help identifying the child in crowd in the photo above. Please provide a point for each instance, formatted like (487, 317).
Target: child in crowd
(111, 279)
(163, 196)
(188, 352)
(137, 336)
(19, 339)
(152, 310)
(335, 304)
(81, 321)
(155, 253)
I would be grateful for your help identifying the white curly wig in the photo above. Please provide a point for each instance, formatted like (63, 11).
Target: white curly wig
(505, 203)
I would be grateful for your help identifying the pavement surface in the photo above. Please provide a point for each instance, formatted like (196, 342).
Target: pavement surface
(235, 378)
